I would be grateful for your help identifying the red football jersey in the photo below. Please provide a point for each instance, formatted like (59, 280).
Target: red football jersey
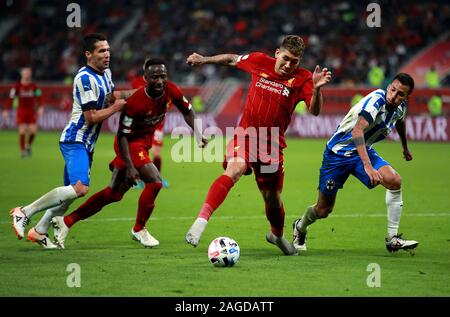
(272, 98)
(143, 113)
(29, 96)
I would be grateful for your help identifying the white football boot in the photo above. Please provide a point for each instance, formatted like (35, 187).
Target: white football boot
(145, 238)
(398, 243)
(41, 239)
(60, 230)
(282, 243)
(19, 222)
(195, 232)
(299, 238)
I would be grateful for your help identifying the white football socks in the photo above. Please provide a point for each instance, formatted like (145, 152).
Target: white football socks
(44, 224)
(394, 206)
(308, 218)
(53, 198)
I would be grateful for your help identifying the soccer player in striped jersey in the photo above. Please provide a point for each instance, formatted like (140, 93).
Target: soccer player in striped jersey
(93, 102)
(277, 86)
(144, 111)
(350, 151)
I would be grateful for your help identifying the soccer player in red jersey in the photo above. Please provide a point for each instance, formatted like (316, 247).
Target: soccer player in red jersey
(158, 135)
(277, 86)
(29, 104)
(144, 111)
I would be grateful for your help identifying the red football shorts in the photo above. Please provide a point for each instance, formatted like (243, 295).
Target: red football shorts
(268, 168)
(25, 116)
(138, 152)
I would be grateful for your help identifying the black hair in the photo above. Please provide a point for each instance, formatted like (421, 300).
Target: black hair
(90, 40)
(153, 61)
(406, 80)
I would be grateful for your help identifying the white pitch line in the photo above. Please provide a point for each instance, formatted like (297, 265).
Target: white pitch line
(432, 214)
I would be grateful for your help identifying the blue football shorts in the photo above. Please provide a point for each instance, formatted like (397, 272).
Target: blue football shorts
(335, 170)
(78, 163)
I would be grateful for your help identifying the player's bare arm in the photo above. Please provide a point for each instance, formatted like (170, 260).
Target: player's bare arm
(401, 130)
(320, 78)
(202, 141)
(93, 116)
(131, 174)
(124, 94)
(40, 111)
(221, 59)
(358, 140)
(5, 114)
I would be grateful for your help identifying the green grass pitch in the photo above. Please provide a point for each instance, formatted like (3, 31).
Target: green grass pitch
(340, 248)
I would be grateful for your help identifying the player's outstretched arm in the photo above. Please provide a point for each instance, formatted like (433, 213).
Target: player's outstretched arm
(124, 94)
(221, 59)
(190, 119)
(93, 116)
(401, 129)
(320, 78)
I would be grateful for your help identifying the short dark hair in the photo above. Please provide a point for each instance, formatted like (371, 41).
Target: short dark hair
(90, 40)
(406, 80)
(294, 44)
(153, 61)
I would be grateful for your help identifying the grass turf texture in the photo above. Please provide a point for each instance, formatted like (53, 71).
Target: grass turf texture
(340, 248)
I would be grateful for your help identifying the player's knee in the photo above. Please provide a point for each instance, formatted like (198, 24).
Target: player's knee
(323, 211)
(149, 179)
(393, 182)
(235, 170)
(116, 196)
(81, 189)
(272, 198)
(156, 178)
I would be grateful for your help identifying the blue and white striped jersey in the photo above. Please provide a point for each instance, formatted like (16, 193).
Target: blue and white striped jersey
(91, 90)
(381, 122)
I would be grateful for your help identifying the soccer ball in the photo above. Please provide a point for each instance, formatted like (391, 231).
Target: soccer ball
(223, 251)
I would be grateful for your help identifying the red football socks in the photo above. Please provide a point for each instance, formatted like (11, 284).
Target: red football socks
(93, 205)
(22, 141)
(216, 195)
(276, 219)
(30, 139)
(146, 205)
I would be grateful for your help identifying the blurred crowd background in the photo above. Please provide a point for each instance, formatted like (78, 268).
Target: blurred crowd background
(35, 33)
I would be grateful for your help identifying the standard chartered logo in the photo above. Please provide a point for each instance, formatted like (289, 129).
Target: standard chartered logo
(272, 87)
